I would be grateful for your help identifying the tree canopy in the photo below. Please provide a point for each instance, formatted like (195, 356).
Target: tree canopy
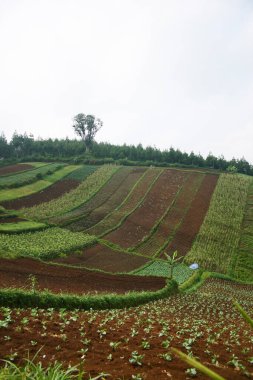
(86, 126)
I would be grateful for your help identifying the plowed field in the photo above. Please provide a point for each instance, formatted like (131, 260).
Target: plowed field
(140, 222)
(191, 224)
(105, 258)
(15, 273)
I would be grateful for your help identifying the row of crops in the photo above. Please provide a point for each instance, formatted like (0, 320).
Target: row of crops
(29, 176)
(46, 244)
(107, 197)
(218, 238)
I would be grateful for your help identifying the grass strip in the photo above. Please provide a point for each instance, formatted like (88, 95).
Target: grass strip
(10, 194)
(25, 299)
(21, 227)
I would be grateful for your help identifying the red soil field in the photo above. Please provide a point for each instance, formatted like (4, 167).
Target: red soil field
(15, 169)
(116, 196)
(175, 214)
(191, 224)
(15, 273)
(104, 258)
(61, 341)
(52, 192)
(140, 222)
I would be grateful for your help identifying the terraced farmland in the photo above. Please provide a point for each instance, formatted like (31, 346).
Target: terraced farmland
(96, 237)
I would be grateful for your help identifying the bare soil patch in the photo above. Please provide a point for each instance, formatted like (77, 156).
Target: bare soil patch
(191, 224)
(15, 273)
(52, 192)
(104, 258)
(15, 169)
(140, 222)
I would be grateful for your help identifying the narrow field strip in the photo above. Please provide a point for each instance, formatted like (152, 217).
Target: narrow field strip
(105, 258)
(131, 202)
(116, 191)
(45, 244)
(57, 278)
(242, 265)
(29, 176)
(11, 194)
(171, 221)
(77, 217)
(160, 268)
(54, 191)
(21, 226)
(141, 221)
(74, 198)
(10, 169)
(219, 235)
(193, 219)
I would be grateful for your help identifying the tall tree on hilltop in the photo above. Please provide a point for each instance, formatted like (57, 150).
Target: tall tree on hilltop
(86, 126)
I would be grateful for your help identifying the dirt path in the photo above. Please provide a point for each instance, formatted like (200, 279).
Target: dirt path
(15, 273)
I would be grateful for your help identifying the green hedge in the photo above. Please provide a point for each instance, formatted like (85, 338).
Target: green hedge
(24, 299)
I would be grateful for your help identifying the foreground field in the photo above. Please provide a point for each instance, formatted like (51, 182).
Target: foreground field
(136, 343)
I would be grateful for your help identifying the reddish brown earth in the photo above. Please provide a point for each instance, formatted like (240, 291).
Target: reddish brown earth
(140, 222)
(104, 258)
(15, 273)
(15, 169)
(125, 175)
(52, 192)
(63, 335)
(13, 219)
(193, 220)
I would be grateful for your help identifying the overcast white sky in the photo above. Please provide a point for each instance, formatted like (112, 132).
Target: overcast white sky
(157, 72)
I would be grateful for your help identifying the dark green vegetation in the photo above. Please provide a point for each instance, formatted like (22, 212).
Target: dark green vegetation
(23, 147)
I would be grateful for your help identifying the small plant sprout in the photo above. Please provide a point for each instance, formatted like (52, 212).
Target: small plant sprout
(136, 358)
(172, 260)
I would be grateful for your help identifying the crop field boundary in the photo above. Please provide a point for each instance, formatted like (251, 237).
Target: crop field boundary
(159, 221)
(199, 278)
(119, 206)
(38, 165)
(26, 299)
(50, 211)
(26, 190)
(22, 227)
(79, 217)
(135, 208)
(171, 236)
(89, 198)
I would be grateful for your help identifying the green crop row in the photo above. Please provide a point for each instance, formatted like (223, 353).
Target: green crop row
(242, 267)
(219, 235)
(161, 268)
(20, 227)
(24, 299)
(28, 176)
(130, 203)
(72, 217)
(10, 194)
(74, 198)
(44, 244)
(82, 173)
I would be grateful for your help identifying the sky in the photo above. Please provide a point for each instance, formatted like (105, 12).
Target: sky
(157, 72)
